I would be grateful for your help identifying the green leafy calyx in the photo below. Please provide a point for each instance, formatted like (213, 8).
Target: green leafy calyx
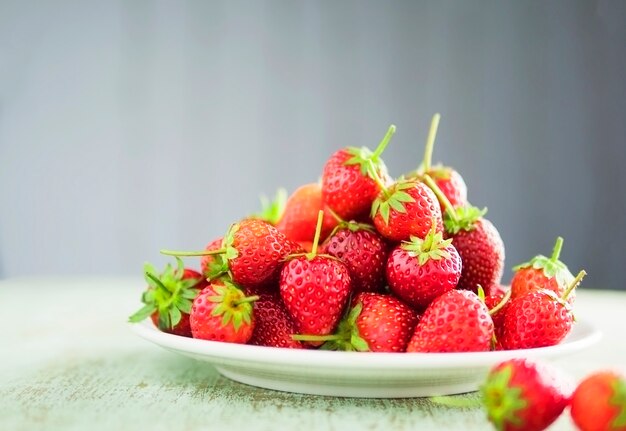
(232, 304)
(503, 401)
(370, 164)
(463, 218)
(433, 246)
(551, 266)
(347, 337)
(394, 200)
(168, 294)
(272, 211)
(618, 400)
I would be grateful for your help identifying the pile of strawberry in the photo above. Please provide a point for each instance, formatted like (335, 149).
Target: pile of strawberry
(364, 262)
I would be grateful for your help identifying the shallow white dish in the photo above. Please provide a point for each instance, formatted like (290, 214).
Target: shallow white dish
(352, 374)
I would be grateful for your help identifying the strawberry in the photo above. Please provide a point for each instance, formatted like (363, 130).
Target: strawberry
(252, 252)
(168, 297)
(406, 209)
(352, 178)
(222, 312)
(363, 251)
(599, 402)
(542, 273)
(420, 270)
(272, 324)
(522, 395)
(449, 181)
(213, 265)
(537, 319)
(375, 323)
(457, 321)
(315, 289)
(497, 299)
(300, 215)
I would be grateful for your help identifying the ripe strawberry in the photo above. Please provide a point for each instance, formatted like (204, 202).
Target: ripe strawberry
(315, 289)
(497, 299)
(522, 395)
(363, 251)
(542, 273)
(406, 209)
(537, 319)
(168, 298)
(599, 402)
(420, 270)
(352, 178)
(252, 252)
(272, 324)
(375, 323)
(457, 321)
(222, 312)
(213, 265)
(300, 216)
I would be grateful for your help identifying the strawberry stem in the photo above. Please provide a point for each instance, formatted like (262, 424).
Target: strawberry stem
(556, 252)
(192, 253)
(442, 198)
(383, 144)
(573, 284)
(374, 176)
(305, 337)
(501, 304)
(247, 299)
(318, 231)
(430, 142)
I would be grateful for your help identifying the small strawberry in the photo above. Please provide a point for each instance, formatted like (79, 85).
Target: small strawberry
(363, 251)
(222, 312)
(457, 321)
(542, 273)
(315, 289)
(168, 298)
(352, 178)
(406, 209)
(522, 395)
(599, 402)
(300, 215)
(213, 265)
(538, 318)
(447, 179)
(272, 324)
(252, 252)
(375, 323)
(420, 270)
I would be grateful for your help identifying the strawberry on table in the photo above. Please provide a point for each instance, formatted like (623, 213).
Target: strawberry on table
(420, 270)
(352, 177)
(273, 325)
(222, 312)
(599, 402)
(168, 298)
(522, 395)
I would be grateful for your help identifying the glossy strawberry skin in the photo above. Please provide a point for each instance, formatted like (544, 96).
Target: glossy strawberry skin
(451, 184)
(345, 189)
(205, 326)
(599, 401)
(456, 321)
(493, 296)
(536, 319)
(385, 323)
(273, 326)
(543, 391)
(315, 292)
(482, 252)
(364, 253)
(299, 218)
(415, 220)
(418, 285)
(526, 280)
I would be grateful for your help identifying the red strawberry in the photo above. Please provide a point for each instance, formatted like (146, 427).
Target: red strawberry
(168, 298)
(252, 252)
(315, 289)
(457, 321)
(496, 300)
(418, 271)
(272, 324)
(375, 323)
(521, 395)
(213, 265)
(542, 273)
(300, 216)
(352, 178)
(599, 402)
(406, 209)
(537, 319)
(363, 251)
(222, 312)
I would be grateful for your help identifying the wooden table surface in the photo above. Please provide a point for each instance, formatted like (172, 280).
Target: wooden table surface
(69, 362)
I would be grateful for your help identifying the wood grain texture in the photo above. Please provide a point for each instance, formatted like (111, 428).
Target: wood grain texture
(71, 363)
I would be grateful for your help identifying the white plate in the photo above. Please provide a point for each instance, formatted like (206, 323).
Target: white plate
(352, 374)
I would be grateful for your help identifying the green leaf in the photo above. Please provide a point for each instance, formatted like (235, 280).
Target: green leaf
(180, 268)
(359, 343)
(401, 196)
(183, 304)
(164, 320)
(189, 293)
(142, 313)
(618, 399)
(272, 211)
(384, 211)
(467, 217)
(397, 205)
(175, 316)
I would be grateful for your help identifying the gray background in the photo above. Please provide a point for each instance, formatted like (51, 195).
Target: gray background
(126, 127)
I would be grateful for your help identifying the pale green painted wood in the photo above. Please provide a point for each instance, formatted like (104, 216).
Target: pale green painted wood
(69, 362)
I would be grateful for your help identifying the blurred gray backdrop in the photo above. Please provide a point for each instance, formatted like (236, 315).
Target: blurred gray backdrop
(128, 126)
